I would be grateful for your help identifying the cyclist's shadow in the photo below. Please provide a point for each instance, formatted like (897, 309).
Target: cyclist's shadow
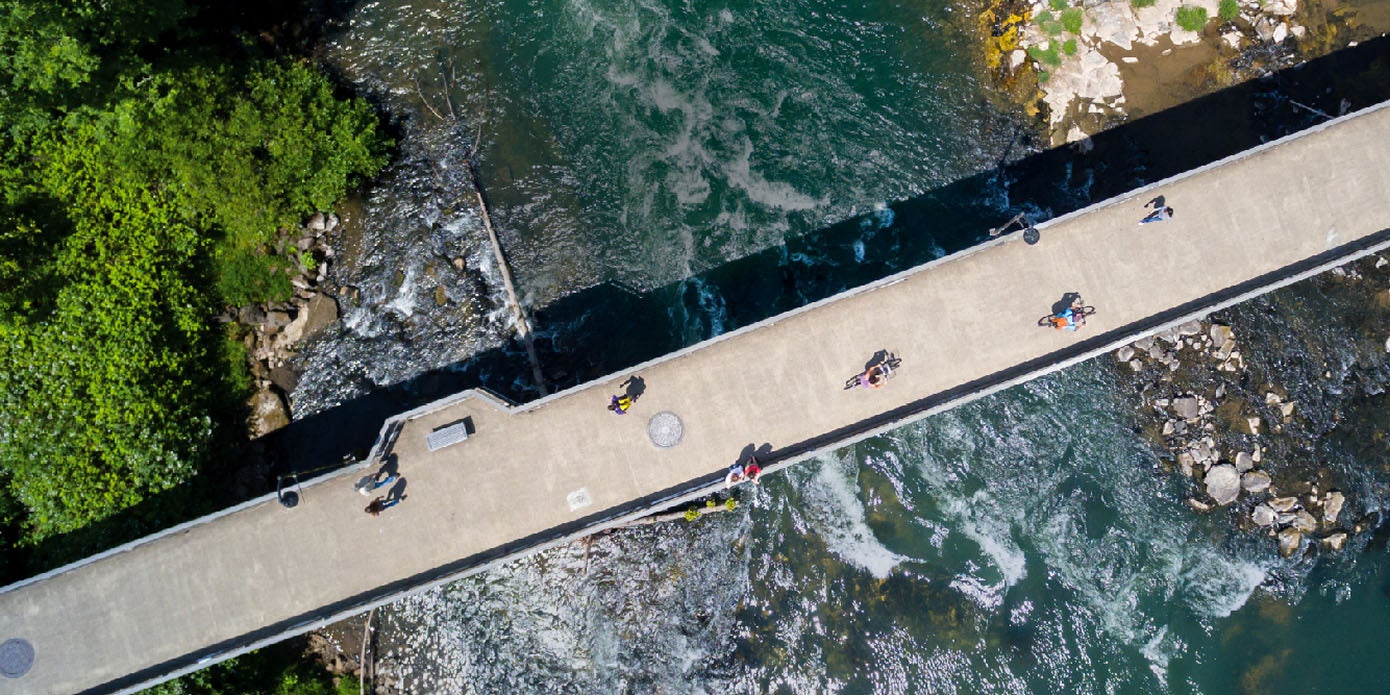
(1065, 302)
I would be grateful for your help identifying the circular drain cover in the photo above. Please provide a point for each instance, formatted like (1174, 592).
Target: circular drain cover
(16, 656)
(665, 429)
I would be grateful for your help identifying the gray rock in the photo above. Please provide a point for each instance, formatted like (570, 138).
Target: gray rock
(331, 223)
(1138, 366)
(251, 315)
(1332, 506)
(277, 319)
(1143, 344)
(1303, 521)
(1202, 451)
(1289, 541)
(1198, 505)
(1193, 327)
(1223, 483)
(316, 222)
(1263, 515)
(1335, 541)
(1255, 482)
(1283, 504)
(268, 413)
(1244, 462)
(1186, 463)
(1186, 408)
(1124, 354)
(1220, 335)
(1156, 351)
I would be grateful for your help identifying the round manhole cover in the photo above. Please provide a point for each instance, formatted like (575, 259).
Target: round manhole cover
(16, 656)
(665, 429)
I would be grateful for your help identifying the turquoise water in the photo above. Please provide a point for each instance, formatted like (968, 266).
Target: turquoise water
(1025, 543)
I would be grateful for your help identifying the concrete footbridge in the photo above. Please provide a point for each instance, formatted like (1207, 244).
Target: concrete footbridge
(528, 477)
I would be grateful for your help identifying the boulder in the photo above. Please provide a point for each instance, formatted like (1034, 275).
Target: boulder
(1186, 408)
(1332, 506)
(268, 413)
(1193, 327)
(1283, 504)
(1138, 366)
(1280, 33)
(1286, 409)
(330, 223)
(1289, 540)
(1255, 482)
(316, 222)
(1244, 462)
(1186, 463)
(1223, 483)
(1263, 515)
(1124, 354)
(320, 311)
(1303, 521)
(1254, 424)
(1220, 335)
(1335, 541)
(1202, 451)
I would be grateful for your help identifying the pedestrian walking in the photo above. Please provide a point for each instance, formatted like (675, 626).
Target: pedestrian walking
(1161, 211)
(619, 404)
(369, 483)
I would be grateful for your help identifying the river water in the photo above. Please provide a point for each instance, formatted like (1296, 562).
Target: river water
(662, 172)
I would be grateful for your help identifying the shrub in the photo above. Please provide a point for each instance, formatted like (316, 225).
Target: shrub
(1229, 10)
(248, 277)
(1142, 3)
(731, 504)
(1192, 18)
(1071, 20)
(1058, 4)
(1069, 47)
(1046, 56)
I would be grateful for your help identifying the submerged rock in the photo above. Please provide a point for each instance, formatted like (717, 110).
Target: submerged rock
(1335, 541)
(1283, 504)
(1223, 483)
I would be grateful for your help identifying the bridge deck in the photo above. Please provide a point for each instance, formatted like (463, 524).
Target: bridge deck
(532, 474)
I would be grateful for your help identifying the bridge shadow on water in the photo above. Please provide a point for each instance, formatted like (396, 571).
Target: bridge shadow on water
(606, 328)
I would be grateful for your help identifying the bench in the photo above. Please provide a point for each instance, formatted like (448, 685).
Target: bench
(447, 435)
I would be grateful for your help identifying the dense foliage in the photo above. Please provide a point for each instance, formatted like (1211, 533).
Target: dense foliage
(272, 671)
(145, 167)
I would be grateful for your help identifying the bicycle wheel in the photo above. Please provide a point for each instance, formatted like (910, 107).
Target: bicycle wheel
(1087, 310)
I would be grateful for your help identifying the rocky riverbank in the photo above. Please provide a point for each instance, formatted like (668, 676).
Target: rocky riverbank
(1239, 436)
(1094, 63)
(272, 333)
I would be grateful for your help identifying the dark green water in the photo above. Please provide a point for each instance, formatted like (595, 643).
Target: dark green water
(743, 158)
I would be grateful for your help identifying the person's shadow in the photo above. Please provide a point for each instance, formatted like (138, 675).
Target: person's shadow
(389, 467)
(634, 387)
(882, 357)
(1065, 302)
(397, 493)
(1158, 203)
(762, 453)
